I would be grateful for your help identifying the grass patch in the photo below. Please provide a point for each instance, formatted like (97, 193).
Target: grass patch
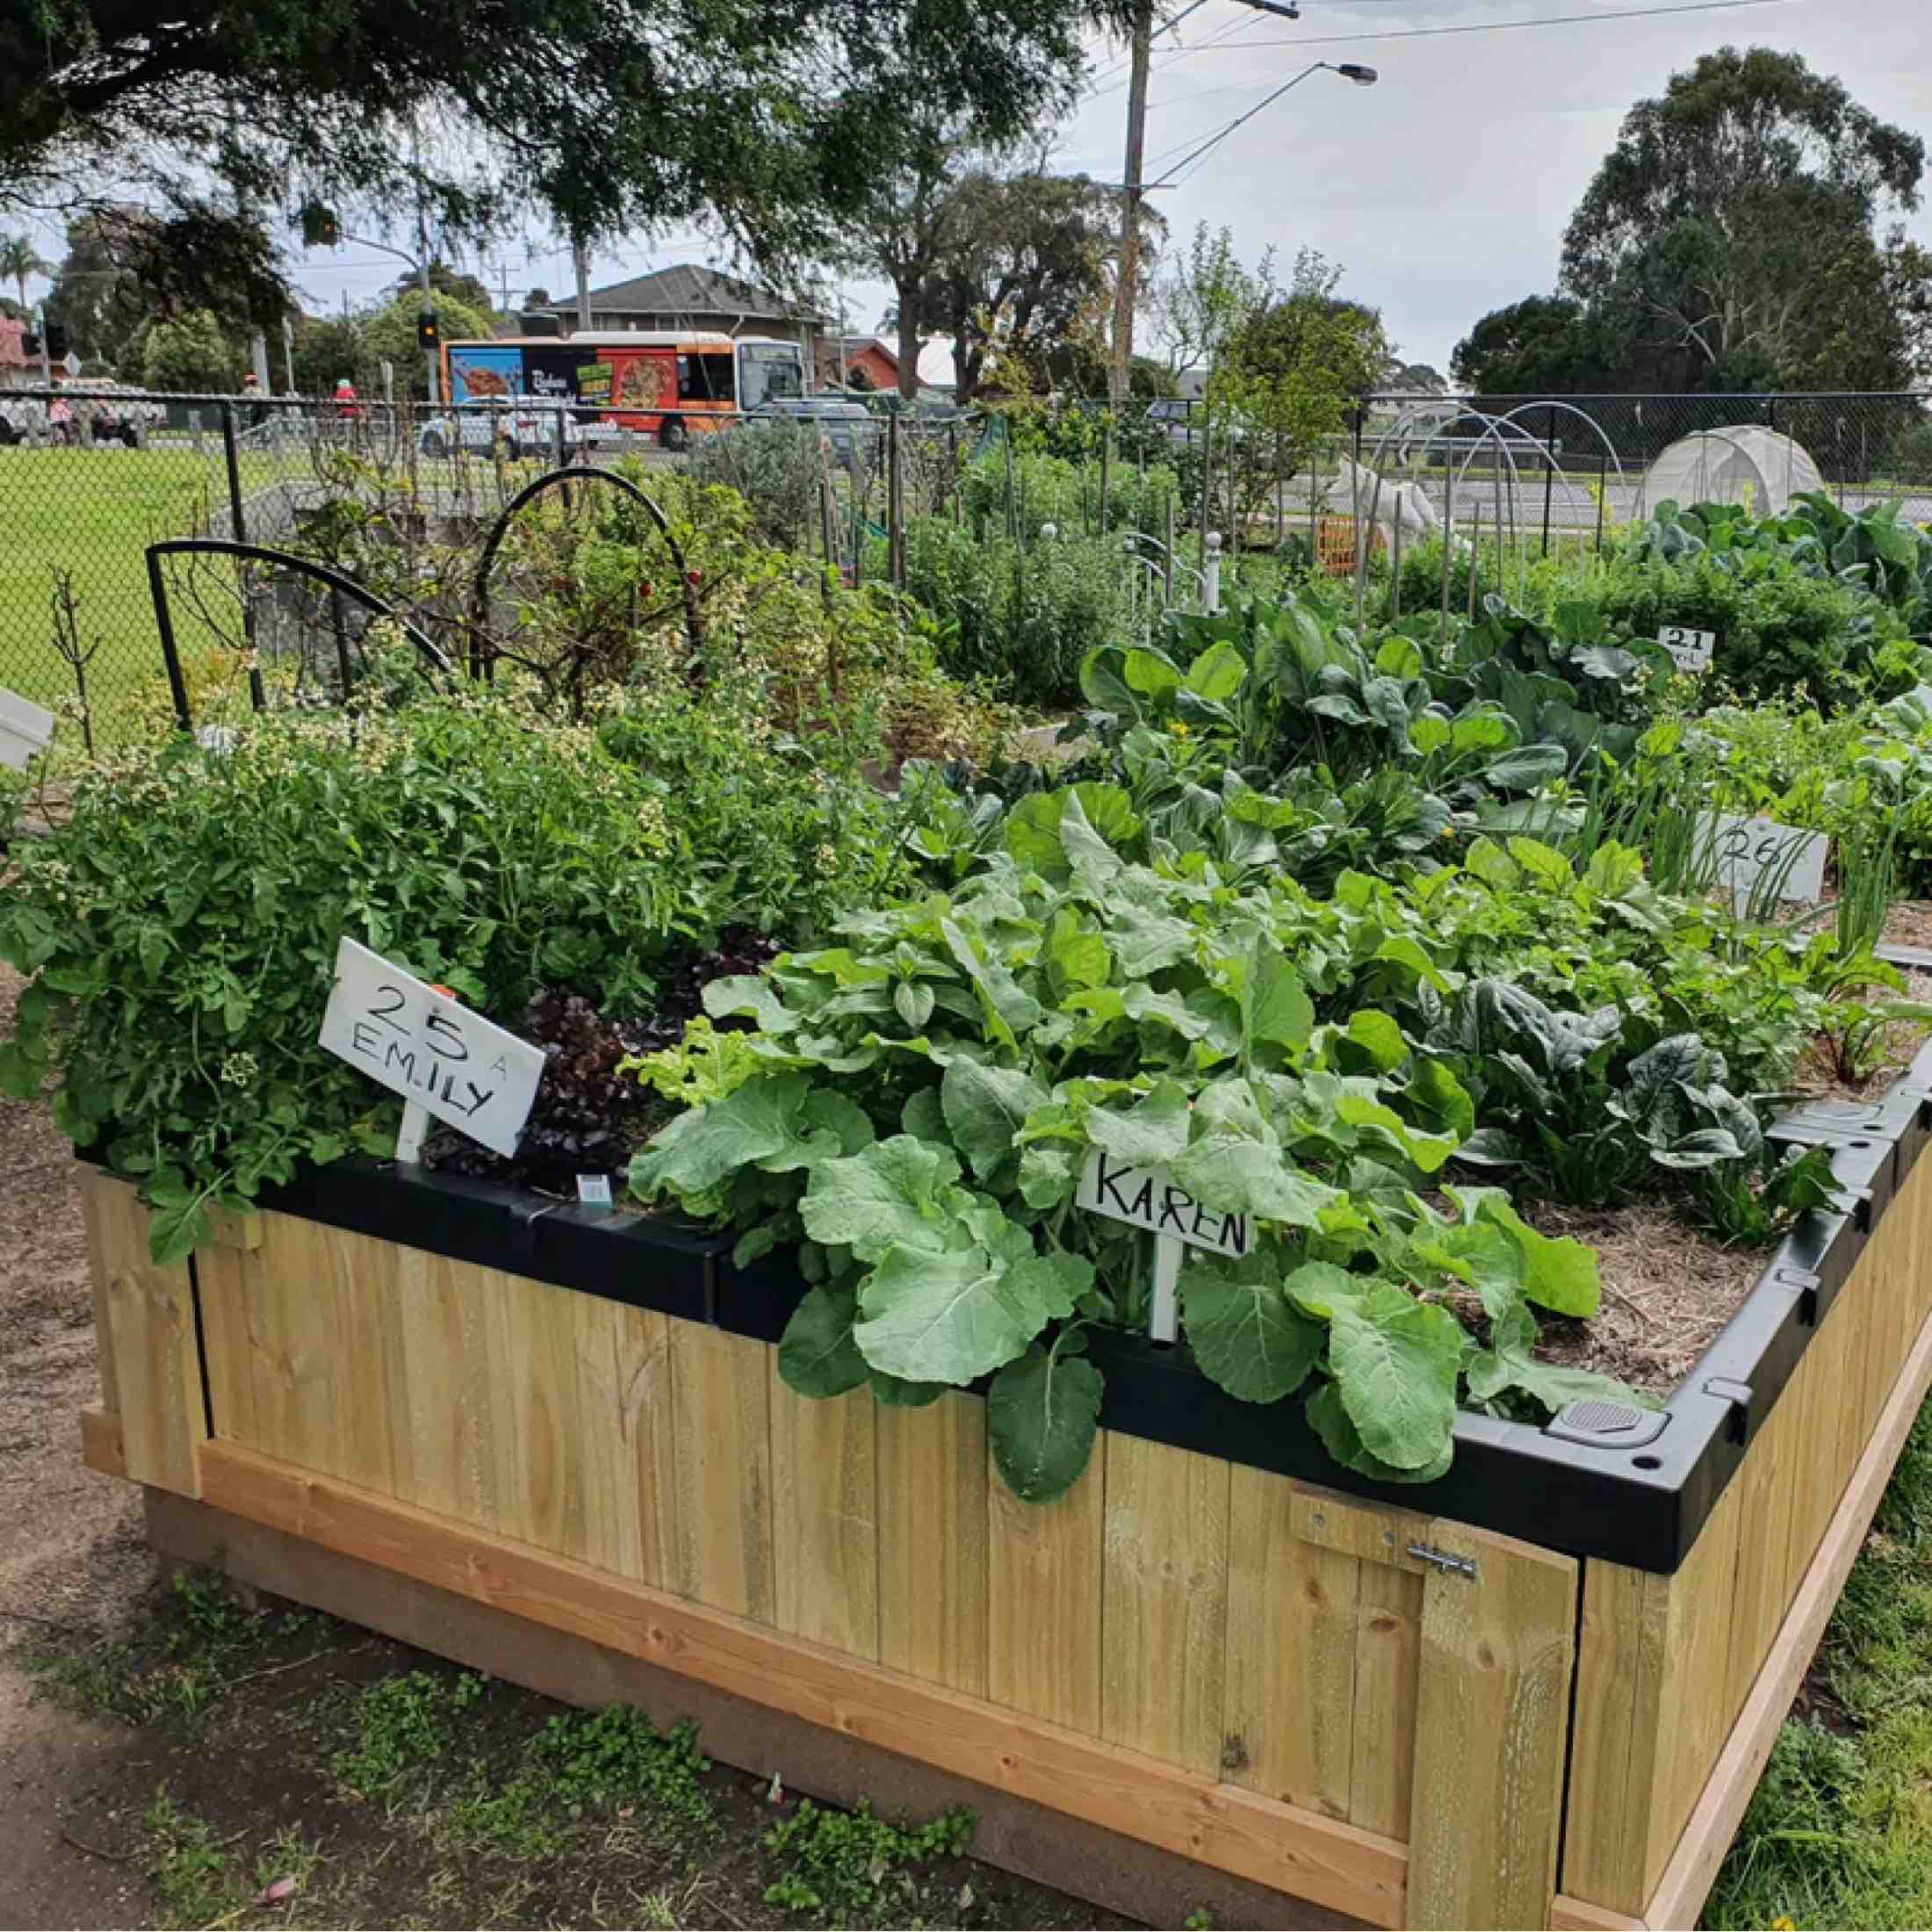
(93, 512)
(175, 1678)
(849, 1868)
(1840, 1831)
(201, 1880)
(403, 1727)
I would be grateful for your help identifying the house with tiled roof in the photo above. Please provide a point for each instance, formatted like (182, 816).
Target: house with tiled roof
(686, 296)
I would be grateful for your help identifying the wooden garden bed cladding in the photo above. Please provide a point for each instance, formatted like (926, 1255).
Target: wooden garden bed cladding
(1391, 1715)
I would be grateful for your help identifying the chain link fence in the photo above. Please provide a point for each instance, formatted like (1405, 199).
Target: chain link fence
(90, 478)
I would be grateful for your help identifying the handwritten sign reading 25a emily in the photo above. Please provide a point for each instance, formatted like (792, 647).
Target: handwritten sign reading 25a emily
(451, 1061)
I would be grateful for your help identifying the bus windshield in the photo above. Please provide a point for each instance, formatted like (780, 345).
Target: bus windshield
(766, 371)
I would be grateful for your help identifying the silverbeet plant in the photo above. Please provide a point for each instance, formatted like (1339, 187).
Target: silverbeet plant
(918, 1104)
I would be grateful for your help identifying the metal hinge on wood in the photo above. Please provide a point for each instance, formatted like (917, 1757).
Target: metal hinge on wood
(1445, 1560)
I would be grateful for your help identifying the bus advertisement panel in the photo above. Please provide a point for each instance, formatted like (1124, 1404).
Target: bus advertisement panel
(485, 372)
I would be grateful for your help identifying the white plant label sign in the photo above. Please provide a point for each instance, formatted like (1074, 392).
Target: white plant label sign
(26, 728)
(1689, 650)
(444, 1059)
(1746, 849)
(1145, 1197)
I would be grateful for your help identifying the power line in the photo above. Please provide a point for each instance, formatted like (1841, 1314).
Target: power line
(1509, 26)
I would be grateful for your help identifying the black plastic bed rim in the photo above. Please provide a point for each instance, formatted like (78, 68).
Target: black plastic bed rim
(1598, 1481)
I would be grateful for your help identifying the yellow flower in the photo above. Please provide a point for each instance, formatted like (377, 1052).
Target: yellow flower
(1178, 729)
(1783, 1925)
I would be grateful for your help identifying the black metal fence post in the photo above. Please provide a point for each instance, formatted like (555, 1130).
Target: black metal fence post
(1549, 475)
(232, 456)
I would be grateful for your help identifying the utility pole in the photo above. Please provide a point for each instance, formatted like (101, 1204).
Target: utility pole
(579, 256)
(1127, 284)
(431, 374)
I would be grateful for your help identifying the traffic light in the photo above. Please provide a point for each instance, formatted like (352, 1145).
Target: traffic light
(427, 336)
(320, 229)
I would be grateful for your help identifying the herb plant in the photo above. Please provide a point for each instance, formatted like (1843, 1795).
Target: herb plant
(182, 928)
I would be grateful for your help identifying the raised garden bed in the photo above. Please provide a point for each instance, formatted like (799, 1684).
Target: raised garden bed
(1536, 1692)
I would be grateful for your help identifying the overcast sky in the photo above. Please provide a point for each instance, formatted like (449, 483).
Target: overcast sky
(1443, 191)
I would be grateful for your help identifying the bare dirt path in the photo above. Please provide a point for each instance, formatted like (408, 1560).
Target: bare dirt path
(71, 1548)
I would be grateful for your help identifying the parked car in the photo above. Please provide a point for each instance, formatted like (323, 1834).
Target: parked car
(104, 412)
(22, 419)
(850, 428)
(511, 427)
(1174, 416)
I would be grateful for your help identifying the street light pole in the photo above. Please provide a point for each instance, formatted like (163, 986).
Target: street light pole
(1349, 70)
(1127, 284)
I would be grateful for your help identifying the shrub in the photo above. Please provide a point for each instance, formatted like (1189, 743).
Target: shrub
(776, 468)
(1025, 614)
(1778, 629)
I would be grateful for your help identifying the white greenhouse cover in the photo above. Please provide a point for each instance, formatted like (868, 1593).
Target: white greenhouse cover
(1720, 466)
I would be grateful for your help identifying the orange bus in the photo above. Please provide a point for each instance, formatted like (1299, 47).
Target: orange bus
(667, 384)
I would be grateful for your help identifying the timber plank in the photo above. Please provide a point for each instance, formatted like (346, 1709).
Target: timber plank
(612, 1522)
(294, 1329)
(101, 1442)
(643, 1421)
(100, 1215)
(150, 1353)
(1044, 1566)
(1814, 1487)
(367, 1365)
(1319, 1859)
(1371, 1531)
(533, 1389)
(225, 1279)
(1165, 1601)
(1492, 1725)
(1389, 1644)
(444, 1311)
(721, 1413)
(1289, 1703)
(932, 1473)
(1761, 1591)
(1693, 1697)
(825, 1517)
(1614, 1753)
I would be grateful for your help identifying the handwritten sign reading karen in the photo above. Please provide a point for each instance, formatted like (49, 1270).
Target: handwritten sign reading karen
(1143, 1197)
(451, 1061)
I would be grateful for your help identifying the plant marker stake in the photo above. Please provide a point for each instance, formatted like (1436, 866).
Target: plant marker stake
(415, 1116)
(1163, 1323)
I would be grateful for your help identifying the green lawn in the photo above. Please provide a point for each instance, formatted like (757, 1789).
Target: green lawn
(1840, 1831)
(92, 513)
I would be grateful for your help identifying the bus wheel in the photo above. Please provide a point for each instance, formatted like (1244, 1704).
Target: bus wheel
(674, 435)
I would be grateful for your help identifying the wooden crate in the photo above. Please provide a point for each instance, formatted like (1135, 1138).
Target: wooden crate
(1367, 1708)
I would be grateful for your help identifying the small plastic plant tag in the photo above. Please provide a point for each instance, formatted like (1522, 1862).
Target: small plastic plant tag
(594, 1190)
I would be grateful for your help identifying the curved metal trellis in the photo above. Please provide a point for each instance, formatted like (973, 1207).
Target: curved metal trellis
(481, 654)
(338, 586)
